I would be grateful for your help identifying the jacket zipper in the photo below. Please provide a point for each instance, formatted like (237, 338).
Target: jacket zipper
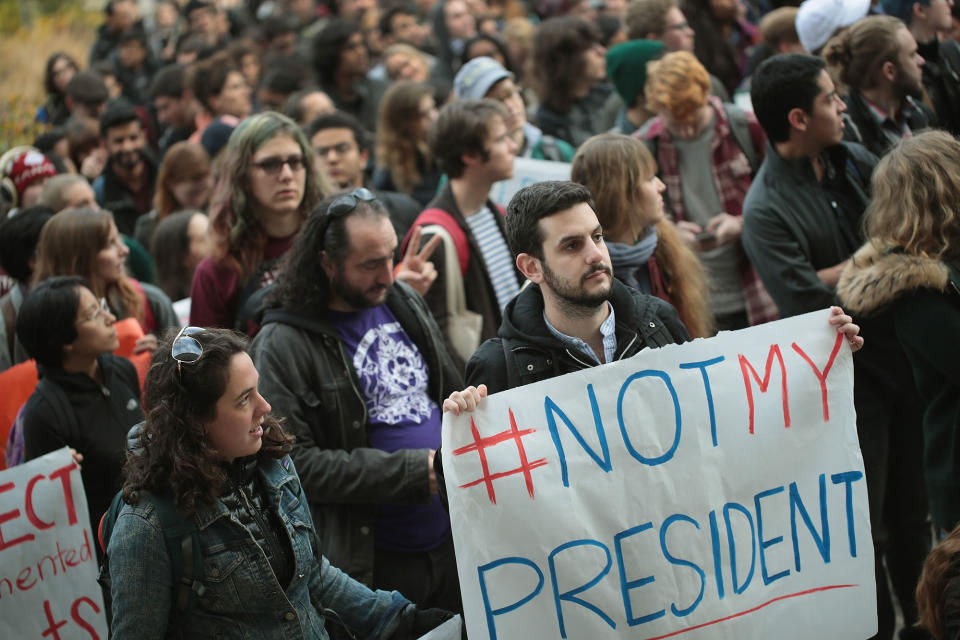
(269, 539)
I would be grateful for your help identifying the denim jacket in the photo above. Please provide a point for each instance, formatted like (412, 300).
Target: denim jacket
(242, 598)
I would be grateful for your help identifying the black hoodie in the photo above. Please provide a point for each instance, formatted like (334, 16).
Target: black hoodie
(536, 354)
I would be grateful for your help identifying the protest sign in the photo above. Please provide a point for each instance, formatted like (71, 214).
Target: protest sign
(707, 490)
(48, 565)
(527, 171)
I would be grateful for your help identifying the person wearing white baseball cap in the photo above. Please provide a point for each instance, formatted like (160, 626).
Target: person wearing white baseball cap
(819, 20)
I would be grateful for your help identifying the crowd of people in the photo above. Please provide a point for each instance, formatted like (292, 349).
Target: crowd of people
(294, 201)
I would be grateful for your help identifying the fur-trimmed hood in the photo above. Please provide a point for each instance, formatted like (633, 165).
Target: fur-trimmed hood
(873, 279)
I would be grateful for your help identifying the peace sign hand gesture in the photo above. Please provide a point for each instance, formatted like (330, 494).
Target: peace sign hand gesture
(415, 269)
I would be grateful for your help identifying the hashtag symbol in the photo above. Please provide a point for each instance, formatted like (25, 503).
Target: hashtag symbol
(480, 445)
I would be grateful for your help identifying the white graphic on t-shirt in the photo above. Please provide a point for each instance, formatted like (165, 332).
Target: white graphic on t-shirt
(393, 375)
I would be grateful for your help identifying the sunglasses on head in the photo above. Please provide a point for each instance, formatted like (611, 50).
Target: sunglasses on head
(185, 348)
(345, 204)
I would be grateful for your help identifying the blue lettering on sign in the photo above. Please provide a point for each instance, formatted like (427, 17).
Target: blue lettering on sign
(569, 596)
(668, 454)
(551, 409)
(670, 557)
(702, 366)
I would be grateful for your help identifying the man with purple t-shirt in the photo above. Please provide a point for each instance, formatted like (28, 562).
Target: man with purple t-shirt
(358, 367)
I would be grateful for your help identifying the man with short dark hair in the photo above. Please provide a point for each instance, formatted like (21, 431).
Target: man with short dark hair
(941, 67)
(127, 183)
(802, 214)
(134, 65)
(472, 145)
(86, 95)
(356, 364)
(174, 104)
(877, 59)
(119, 16)
(343, 149)
(574, 314)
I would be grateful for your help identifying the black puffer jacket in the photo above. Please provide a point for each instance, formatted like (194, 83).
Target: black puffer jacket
(535, 354)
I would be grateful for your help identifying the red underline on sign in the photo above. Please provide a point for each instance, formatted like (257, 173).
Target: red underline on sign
(756, 608)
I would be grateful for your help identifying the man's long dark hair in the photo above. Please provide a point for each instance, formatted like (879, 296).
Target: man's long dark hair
(302, 285)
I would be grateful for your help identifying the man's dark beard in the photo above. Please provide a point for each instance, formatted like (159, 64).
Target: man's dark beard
(356, 299)
(577, 302)
(126, 160)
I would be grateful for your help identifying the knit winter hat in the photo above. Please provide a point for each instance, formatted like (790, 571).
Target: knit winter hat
(29, 167)
(627, 66)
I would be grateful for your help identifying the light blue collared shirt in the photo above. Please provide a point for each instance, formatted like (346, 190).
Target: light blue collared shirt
(608, 329)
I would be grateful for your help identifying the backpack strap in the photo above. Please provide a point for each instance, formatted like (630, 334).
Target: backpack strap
(10, 320)
(182, 539)
(740, 128)
(445, 220)
(550, 149)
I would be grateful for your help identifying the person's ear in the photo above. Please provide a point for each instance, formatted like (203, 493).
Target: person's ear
(889, 70)
(365, 156)
(918, 11)
(531, 267)
(471, 159)
(798, 119)
(328, 266)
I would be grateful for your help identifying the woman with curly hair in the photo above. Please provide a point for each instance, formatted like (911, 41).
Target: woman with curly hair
(569, 74)
(86, 243)
(269, 183)
(938, 593)
(907, 279)
(218, 457)
(404, 163)
(646, 251)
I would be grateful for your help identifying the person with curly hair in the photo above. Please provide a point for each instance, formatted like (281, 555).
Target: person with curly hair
(938, 592)
(707, 153)
(218, 454)
(404, 161)
(269, 183)
(569, 76)
(646, 250)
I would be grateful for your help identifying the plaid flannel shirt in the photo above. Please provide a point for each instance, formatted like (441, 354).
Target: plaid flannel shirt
(731, 175)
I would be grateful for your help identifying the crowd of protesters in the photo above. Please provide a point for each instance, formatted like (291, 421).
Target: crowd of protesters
(320, 177)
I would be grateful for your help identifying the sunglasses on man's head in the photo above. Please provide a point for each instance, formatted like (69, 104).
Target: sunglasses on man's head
(345, 204)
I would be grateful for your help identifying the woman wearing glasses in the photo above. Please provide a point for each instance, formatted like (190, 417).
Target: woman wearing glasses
(87, 398)
(269, 183)
(86, 243)
(219, 455)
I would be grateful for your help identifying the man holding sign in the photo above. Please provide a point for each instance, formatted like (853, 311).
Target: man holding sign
(574, 315)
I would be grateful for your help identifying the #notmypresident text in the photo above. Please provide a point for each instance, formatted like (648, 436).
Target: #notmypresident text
(707, 490)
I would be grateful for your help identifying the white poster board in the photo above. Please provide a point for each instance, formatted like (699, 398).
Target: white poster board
(527, 171)
(707, 490)
(48, 562)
